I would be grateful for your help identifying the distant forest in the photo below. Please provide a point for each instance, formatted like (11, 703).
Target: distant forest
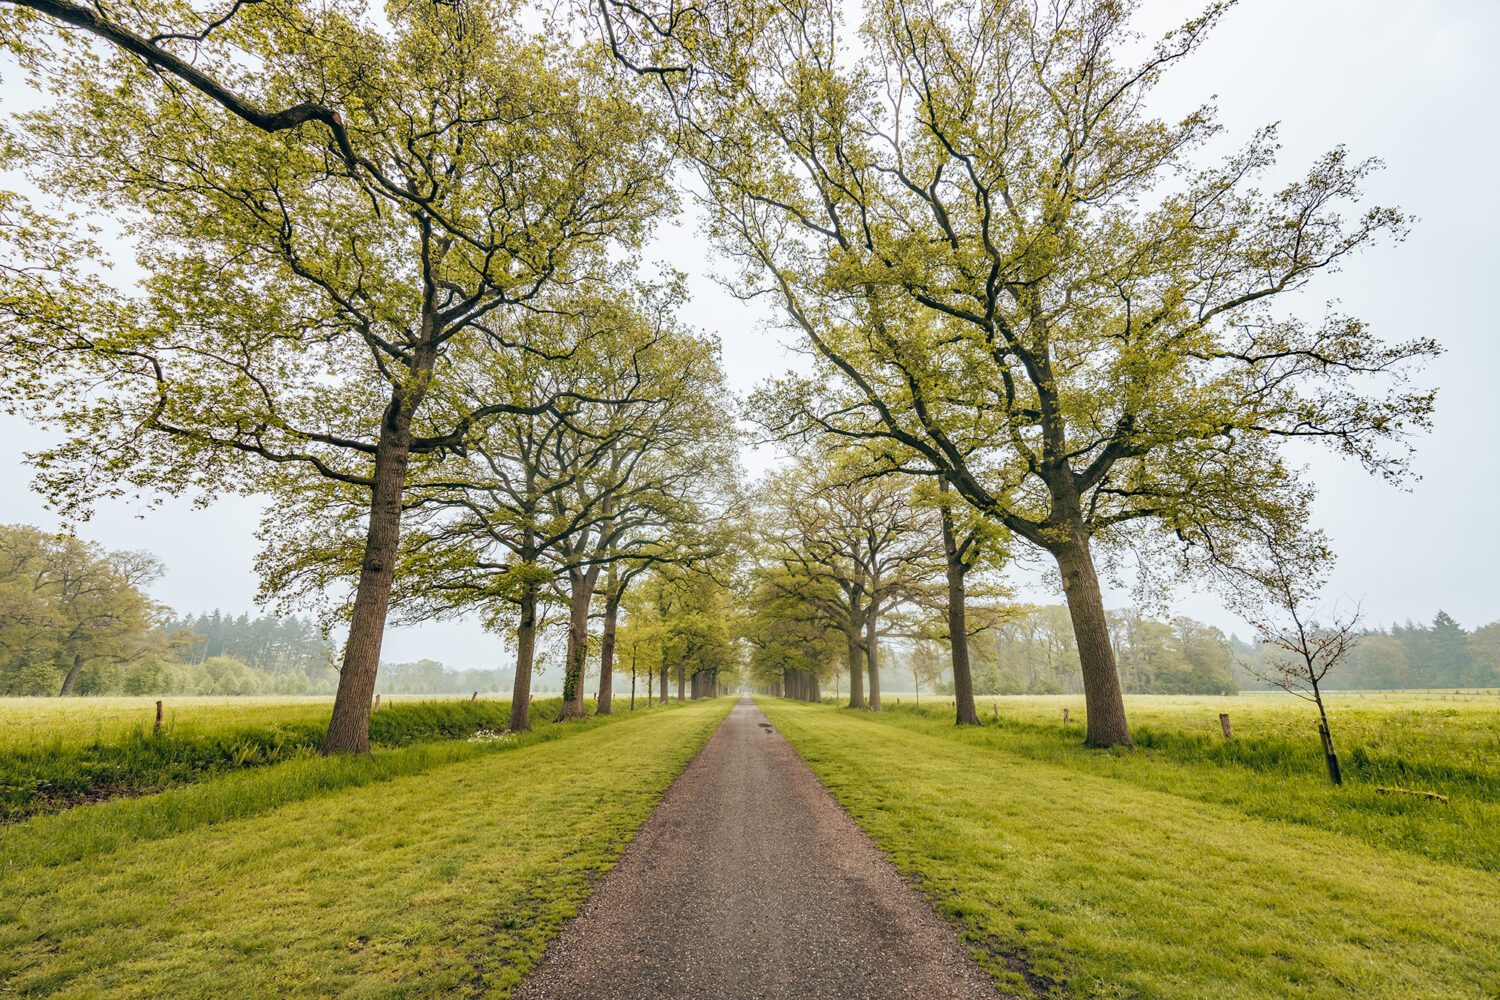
(1437, 655)
(76, 619)
(1033, 652)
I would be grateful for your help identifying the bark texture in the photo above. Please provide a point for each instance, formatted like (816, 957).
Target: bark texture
(578, 645)
(958, 629)
(607, 659)
(349, 727)
(520, 698)
(856, 670)
(72, 676)
(1105, 702)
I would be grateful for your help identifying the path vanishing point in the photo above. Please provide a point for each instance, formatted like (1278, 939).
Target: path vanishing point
(749, 881)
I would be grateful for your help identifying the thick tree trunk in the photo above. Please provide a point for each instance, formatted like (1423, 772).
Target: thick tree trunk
(520, 696)
(607, 658)
(681, 681)
(577, 650)
(72, 676)
(856, 670)
(662, 690)
(1105, 703)
(349, 727)
(872, 659)
(958, 631)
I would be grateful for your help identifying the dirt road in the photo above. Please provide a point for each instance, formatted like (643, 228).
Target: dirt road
(748, 881)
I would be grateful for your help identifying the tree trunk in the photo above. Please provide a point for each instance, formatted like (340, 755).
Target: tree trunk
(72, 676)
(349, 727)
(856, 670)
(681, 681)
(578, 645)
(958, 631)
(872, 658)
(1330, 756)
(520, 697)
(662, 691)
(607, 657)
(1105, 703)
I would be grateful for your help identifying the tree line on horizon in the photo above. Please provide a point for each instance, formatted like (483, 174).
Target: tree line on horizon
(46, 630)
(395, 279)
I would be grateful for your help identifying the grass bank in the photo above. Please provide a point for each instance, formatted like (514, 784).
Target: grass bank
(1088, 873)
(403, 874)
(50, 762)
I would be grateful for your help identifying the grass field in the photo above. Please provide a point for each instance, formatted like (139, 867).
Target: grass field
(33, 722)
(61, 752)
(1185, 868)
(1428, 741)
(423, 871)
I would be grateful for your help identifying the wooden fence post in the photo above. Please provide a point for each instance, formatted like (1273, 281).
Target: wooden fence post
(474, 696)
(1224, 723)
(157, 728)
(377, 704)
(1065, 716)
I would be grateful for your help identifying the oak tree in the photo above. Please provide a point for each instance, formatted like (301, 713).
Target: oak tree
(1010, 266)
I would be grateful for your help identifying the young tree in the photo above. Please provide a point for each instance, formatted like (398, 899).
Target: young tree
(301, 305)
(1012, 269)
(1302, 649)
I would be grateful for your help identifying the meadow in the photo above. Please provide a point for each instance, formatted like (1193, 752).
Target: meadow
(417, 871)
(59, 753)
(1192, 866)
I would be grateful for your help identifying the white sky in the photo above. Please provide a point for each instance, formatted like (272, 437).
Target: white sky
(1410, 81)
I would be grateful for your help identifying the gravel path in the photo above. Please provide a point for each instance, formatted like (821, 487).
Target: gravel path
(748, 881)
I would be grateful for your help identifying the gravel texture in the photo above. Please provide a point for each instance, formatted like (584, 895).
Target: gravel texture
(749, 881)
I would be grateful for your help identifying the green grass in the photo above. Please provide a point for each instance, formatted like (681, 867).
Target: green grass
(1152, 874)
(104, 748)
(27, 723)
(1273, 768)
(433, 870)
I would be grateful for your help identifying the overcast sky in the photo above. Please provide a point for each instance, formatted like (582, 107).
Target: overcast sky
(1412, 82)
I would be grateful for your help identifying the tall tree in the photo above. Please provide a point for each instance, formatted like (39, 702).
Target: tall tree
(1011, 268)
(65, 602)
(620, 473)
(865, 536)
(301, 305)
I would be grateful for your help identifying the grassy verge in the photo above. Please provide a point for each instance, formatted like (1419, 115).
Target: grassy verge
(1273, 768)
(1108, 885)
(127, 757)
(446, 882)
